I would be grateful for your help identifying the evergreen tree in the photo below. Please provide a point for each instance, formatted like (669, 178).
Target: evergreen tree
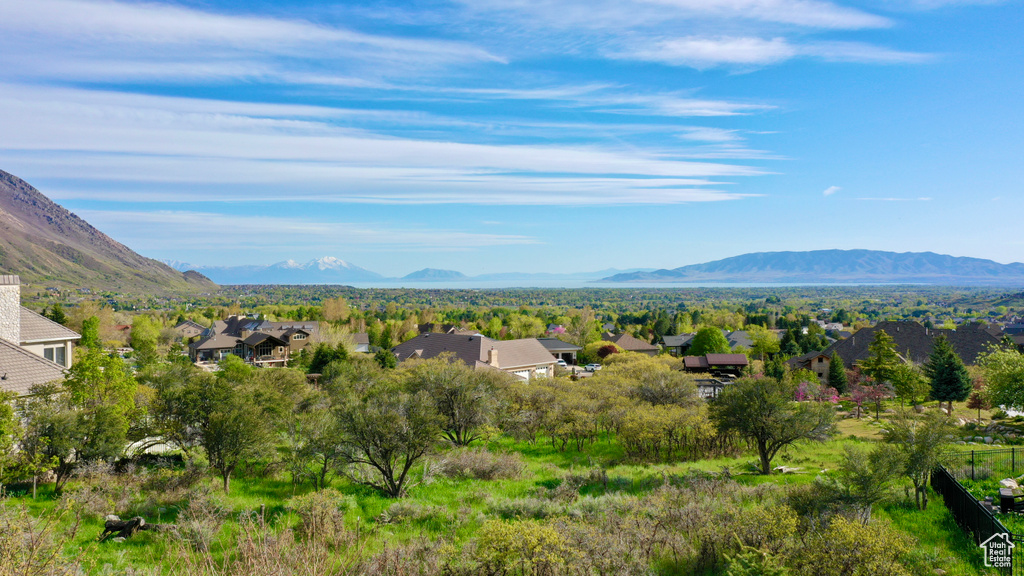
(837, 374)
(57, 315)
(948, 375)
(882, 358)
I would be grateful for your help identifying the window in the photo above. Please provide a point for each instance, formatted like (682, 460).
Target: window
(298, 337)
(57, 354)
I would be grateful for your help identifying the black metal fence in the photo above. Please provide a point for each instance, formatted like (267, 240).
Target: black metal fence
(972, 516)
(981, 464)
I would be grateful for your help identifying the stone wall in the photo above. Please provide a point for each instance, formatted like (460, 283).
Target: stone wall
(10, 308)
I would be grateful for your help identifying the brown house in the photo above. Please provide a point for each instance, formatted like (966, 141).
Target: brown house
(258, 342)
(718, 365)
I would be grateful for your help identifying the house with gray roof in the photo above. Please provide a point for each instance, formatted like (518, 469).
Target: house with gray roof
(677, 344)
(258, 342)
(33, 349)
(631, 343)
(525, 358)
(560, 349)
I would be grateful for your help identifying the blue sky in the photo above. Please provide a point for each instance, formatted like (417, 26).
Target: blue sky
(521, 135)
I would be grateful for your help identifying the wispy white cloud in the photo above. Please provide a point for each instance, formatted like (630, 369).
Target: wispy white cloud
(265, 149)
(831, 190)
(102, 40)
(617, 14)
(706, 52)
(700, 52)
(189, 229)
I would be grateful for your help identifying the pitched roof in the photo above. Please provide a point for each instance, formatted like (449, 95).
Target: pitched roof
(739, 338)
(21, 369)
(556, 345)
(189, 324)
(727, 359)
(629, 342)
(677, 339)
(257, 337)
(474, 349)
(914, 342)
(711, 360)
(35, 328)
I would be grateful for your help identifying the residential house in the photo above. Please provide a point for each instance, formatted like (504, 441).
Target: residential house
(526, 358)
(258, 342)
(33, 349)
(677, 344)
(630, 343)
(362, 342)
(913, 342)
(739, 338)
(560, 350)
(718, 365)
(189, 329)
(814, 361)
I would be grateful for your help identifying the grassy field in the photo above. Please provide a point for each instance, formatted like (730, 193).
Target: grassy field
(455, 509)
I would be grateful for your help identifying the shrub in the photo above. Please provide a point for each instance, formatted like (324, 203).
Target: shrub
(1000, 414)
(31, 545)
(522, 508)
(404, 511)
(200, 519)
(321, 514)
(848, 548)
(526, 547)
(480, 464)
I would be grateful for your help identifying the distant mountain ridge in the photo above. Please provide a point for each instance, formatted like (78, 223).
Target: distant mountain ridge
(433, 274)
(46, 244)
(331, 270)
(839, 266)
(326, 270)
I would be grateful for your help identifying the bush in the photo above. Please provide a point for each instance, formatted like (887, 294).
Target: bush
(30, 545)
(404, 511)
(523, 508)
(321, 514)
(200, 519)
(1000, 414)
(848, 548)
(480, 464)
(527, 547)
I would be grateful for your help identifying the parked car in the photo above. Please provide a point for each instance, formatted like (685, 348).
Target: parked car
(561, 363)
(592, 367)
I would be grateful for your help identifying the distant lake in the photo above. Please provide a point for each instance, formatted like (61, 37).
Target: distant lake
(498, 284)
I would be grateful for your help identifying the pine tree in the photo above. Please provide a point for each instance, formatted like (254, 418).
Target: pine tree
(948, 375)
(882, 358)
(837, 374)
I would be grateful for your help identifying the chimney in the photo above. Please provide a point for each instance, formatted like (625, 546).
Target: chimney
(492, 357)
(10, 308)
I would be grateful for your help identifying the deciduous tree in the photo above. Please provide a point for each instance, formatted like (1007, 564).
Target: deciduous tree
(763, 411)
(922, 441)
(708, 340)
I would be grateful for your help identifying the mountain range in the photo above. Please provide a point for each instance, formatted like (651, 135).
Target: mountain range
(47, 245)
(331, 270)
(838, 266)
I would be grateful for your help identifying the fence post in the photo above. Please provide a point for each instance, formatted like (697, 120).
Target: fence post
(1013, 461)
(972, 465)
